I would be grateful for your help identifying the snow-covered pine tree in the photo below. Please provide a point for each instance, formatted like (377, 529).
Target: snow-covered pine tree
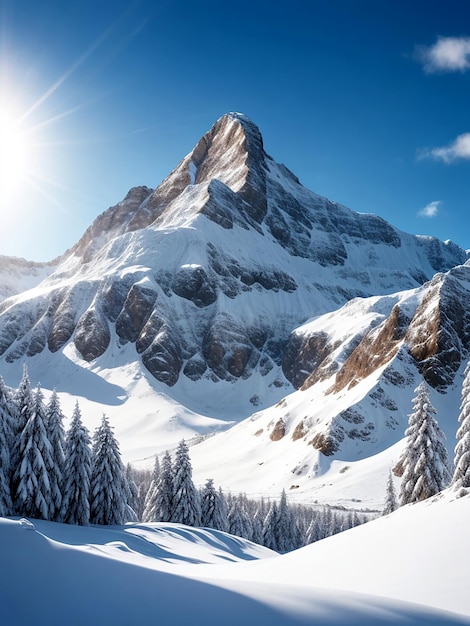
(424, 461)
(23, 400)
(108, 485)
(6, 442)
(7, 411)
(461, 477)
(299, 526)
(235, 521)
(209, 505)
(165, 493)
(33, 495)
(239, 521)
(77, 473)
(150, 512)
(314, 532)
(186, 505)
(223, 512)
(56, 435)
(326, 522)
(269, 527)
(142, 491)
(283, 527)
(391, 502)
(159, 502)
(133, 493)
(213, 507)
(22, 406)
(258, 520)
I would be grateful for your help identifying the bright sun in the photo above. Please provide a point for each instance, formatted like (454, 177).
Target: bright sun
(15, 152)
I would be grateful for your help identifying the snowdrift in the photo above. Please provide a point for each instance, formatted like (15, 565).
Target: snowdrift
(407, 568)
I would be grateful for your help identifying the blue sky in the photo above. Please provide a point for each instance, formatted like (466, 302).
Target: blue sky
(366, 101)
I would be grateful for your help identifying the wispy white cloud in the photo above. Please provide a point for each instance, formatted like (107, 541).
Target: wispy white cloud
(458, 149)
(448, 54)
(430, 210)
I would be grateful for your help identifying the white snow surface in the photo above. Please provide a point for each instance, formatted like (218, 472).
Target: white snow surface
(18, 275)
(407, 568)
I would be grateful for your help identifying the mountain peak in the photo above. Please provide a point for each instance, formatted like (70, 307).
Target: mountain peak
(232, 153)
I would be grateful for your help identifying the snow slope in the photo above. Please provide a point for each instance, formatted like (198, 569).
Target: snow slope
(18, 275)
(407, 568)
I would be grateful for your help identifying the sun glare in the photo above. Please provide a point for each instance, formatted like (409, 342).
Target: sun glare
(15, 154)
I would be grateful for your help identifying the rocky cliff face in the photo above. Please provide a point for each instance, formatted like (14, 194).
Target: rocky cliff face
(208, 275)
(384, 345)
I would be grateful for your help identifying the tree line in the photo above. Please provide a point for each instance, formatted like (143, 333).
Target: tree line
(171, 496)
(71, 477)
(48, 474)
(74, 478)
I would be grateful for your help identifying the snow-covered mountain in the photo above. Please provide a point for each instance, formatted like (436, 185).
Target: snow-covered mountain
(17, 275)
(229, 289)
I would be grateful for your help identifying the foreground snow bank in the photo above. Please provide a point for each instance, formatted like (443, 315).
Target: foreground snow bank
(53, 574)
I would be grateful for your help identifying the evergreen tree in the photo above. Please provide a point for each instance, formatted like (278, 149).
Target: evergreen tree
(33, 493)
(222, 517)
(132, 499)
(424, 461)
(391, 502)
(7, 413)
(159, 503)
(150, 511)
(213, 511)
(6, 442)
(108, 485)
(142, 491)
(257, 521)
(461, 477)
(186, 506)
(313, 530)
(76, 484)
(56, 435)
(269, 528)
(22, 403)
(299, 526)
(239, 522)
(164, 499)
(284, 524)
(326, 522)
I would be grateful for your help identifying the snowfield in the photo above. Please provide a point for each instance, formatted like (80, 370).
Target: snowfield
(408, 568)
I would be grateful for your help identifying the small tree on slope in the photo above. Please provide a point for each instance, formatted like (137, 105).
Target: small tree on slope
(33, 494)
(77, 473)
(56, 436)
(186, 506)
(391, 503)
(213, 507)
(6, 506)
(149, 513)
(133, 492)
(425, 457)
(108, 487)
(461, 477)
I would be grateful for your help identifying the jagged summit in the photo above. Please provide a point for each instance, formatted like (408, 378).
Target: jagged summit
(232, 154)
(229, 159)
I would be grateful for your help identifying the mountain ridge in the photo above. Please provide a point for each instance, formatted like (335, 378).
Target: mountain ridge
(201, 285)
